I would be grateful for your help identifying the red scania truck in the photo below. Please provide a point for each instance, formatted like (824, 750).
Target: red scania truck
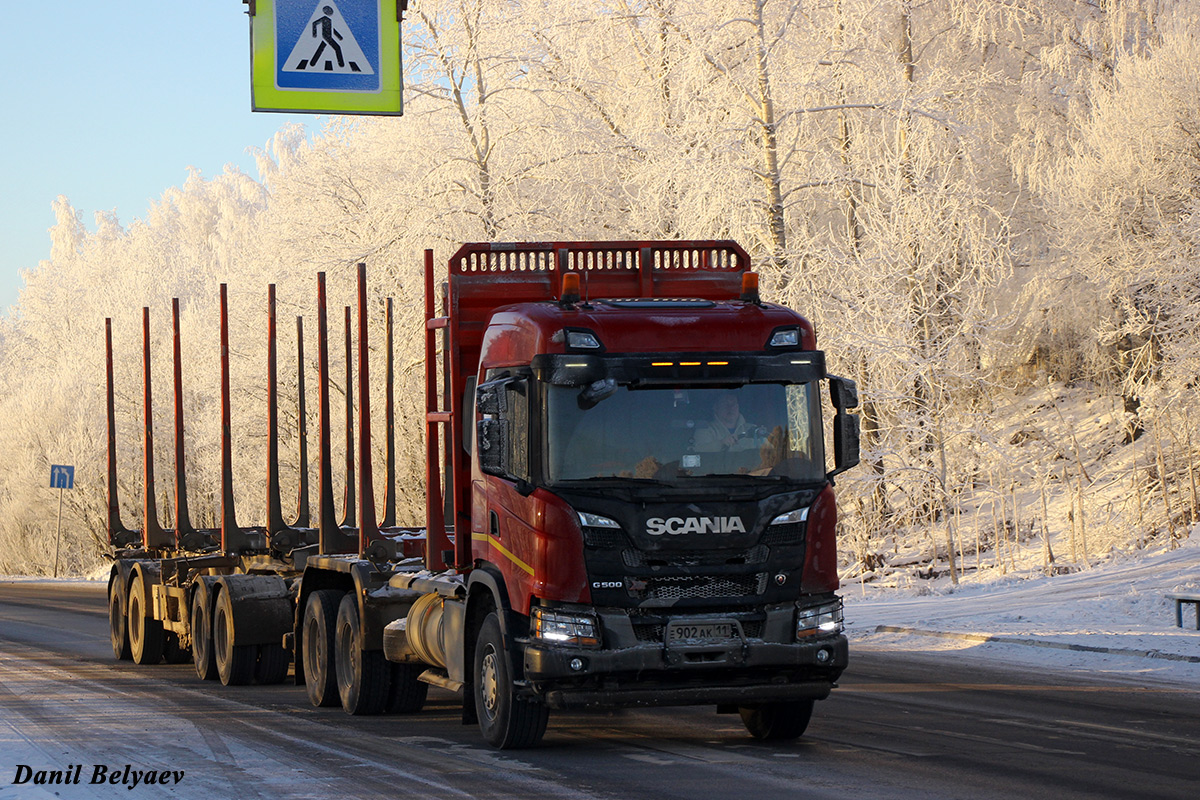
(629, 503)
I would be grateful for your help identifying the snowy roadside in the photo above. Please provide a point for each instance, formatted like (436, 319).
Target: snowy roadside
(1113, 620)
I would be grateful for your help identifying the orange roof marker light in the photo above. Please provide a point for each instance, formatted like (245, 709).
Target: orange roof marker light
(570, 288)
(750, 287)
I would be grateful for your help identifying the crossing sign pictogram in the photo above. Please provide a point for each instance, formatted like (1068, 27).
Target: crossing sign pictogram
(327, 56)
(327, 45)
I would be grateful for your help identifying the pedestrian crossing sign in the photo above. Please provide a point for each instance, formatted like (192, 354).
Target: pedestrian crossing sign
(326, 56)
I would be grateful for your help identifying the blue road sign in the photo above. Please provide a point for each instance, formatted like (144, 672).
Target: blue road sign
(326, 56)
(62, 476)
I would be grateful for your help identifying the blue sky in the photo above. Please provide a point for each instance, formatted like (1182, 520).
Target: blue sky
(109, 102)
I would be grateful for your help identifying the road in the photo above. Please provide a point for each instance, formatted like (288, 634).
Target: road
(902, 725)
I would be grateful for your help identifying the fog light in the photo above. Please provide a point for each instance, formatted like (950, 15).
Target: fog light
(822, 620)
(823, 655)
(576, 664)
(560, 627)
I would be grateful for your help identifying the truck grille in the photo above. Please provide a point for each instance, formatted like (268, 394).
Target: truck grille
(784, 534)
(604, 538)
(687, 587)
(639, 558)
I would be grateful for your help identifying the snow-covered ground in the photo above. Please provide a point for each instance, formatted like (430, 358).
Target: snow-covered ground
(1112, 620)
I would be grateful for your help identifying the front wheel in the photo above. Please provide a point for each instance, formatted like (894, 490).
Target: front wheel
(507, 721)
(786, 720)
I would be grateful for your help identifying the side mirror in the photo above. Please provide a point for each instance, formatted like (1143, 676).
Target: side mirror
(489, 398)
(844, 395)
(843, 392)
(491, 431)
(491, 441)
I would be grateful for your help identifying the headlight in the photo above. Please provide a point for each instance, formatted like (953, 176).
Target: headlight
(791, 517)
(596, 521)
(822, 620)
(564, 627)
(785, 337)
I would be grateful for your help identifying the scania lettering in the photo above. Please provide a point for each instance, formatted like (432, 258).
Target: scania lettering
(657, 526)
(629, 503)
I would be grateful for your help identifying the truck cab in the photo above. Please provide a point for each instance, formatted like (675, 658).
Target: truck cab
(641, 496)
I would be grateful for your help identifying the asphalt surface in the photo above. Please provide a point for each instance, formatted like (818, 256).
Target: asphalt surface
(902, 725)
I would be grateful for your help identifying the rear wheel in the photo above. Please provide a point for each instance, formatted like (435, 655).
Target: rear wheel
(235, 662)
(787, 720)
(362, 675)
(272, 666)
(145, 632)
(118, 620)
(320, 624)
(202, 644)
(507, 721)
(406, 695)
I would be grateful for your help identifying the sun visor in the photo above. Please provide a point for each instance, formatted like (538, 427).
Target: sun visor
(672, 369)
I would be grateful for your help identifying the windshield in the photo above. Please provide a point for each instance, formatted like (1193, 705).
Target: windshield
(675, 434)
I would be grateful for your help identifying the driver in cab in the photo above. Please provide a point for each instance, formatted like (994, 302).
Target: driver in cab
(728, 429)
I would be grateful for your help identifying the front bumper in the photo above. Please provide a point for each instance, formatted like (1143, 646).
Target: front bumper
(738, 671)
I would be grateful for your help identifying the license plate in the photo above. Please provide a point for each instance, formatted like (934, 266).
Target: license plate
(699, 631)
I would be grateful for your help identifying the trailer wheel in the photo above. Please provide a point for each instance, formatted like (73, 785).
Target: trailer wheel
(273, 663)
(202, 643)
(507, 721)
(235, 662)
(145, 633)
(786, 720)
(118, 620)
(320, 623)
(407, 694)
(362, 675)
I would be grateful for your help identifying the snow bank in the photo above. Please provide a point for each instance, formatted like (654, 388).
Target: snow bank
(1113, 619)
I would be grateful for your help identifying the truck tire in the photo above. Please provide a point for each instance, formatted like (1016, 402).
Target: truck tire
(507, 721)
(320, 624)
(235, 662)
(202, 644)
(273, 663)
(407, 694)
(786, 720)
(145, 632)
(362, 675)
(118, 620)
